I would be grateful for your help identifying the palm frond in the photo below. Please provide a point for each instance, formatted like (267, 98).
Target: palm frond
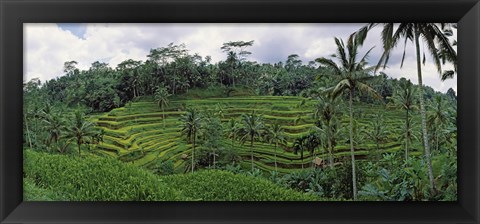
(368, 90)
(329, 63)
(429, 40)
(340, 87)
(341, 52)
(363, 61)
(361, 34)
(447, 75)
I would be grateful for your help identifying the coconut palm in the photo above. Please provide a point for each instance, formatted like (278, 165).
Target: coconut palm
(351, 75)
(312, 141)
(276, 135)
(191, 124)
(252, 129)
(437, 45)
(212, 133)
(409, 133)
(326, 112)
(232, 129)
(377, 132)
(54, 126)
(331, 133)
(81, 130)
(300, 146)
(161, 96)
(405, 98)
(438, 119)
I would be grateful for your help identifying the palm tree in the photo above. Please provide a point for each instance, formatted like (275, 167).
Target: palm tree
(326, 112)
(330, 134)
(404, 98)
(377, 132)
(300, 146)
(409, 134)
(351, 76)
(161, 96)
(54, 126)
(312, 141)
(191, 124)
(25, 120)
(252, 129)
(275, 135)
(81, 130)
(438, 119)
(232, 129)
(440, 49)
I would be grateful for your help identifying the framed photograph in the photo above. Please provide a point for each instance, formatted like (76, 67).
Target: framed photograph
(230, 111)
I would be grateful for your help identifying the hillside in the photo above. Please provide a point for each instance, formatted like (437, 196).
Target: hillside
(58, 177)
(135, 133)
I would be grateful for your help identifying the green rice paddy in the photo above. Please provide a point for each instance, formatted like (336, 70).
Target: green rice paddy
(136, 133)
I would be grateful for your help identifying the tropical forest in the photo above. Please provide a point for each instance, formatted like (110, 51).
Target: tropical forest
(180, 126)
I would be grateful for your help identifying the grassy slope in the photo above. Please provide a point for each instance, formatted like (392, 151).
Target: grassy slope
(217, 185)
(139, 127)
(60, 177)
(32, 192)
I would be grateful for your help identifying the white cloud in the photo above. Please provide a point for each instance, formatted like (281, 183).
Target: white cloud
(47, 46)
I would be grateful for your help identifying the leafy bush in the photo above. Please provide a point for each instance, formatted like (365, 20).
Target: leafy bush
(94, 179)
(236, 169)
(255, 173)
(449, 181)
(164, 167)
(327, 182)
(32, 192)
(217, 185)
(393, 180)
(298, 180)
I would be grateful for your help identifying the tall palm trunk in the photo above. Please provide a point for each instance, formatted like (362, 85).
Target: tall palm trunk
(313, 156)
(330, 152)
(275, 152)
(35, 131)
(193, 151)
(302, 158)
(406, 136)
(423, 113)
(330, 147)
(214, 162)
(28, 131)
(354, 175)
(251, 149)
(78, 145)
(163, 114)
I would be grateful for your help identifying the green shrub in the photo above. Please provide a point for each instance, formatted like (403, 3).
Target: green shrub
(217, 185)
(31, 192)
(95, 179)
(164, 167)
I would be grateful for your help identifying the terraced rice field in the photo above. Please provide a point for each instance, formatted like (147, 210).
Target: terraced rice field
(135, 133)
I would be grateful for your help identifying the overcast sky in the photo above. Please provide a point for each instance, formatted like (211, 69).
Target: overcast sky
(48, 46)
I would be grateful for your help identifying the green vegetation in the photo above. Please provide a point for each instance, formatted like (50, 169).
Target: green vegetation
(94, 179)
(57, 177)
(178, 127)
(213, 185)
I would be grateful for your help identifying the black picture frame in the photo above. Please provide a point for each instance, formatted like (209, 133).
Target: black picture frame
(14, 13)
